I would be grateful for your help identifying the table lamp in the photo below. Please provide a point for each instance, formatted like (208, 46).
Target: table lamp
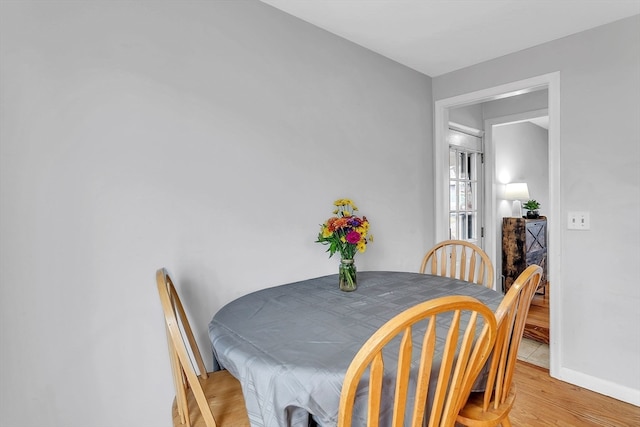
(516, 191)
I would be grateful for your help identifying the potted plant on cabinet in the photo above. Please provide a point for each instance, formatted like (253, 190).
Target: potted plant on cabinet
(532, 207)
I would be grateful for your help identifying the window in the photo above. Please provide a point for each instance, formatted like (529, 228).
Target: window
(465, 186)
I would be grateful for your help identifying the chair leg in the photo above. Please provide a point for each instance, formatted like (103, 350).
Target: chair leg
(506, 422)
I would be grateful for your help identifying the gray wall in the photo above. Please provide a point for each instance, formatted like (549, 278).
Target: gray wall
(474, 115)
(522, 151)
(470, 115)
(532, 101)
(208, 137)
(600, 173)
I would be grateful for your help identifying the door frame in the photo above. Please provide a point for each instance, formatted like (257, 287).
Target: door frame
(551, 82)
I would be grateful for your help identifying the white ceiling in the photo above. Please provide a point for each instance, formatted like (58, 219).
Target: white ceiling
(439, 36)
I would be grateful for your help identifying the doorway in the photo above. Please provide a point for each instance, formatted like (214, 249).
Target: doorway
(520, 143)
(550, 82)
(520, 147)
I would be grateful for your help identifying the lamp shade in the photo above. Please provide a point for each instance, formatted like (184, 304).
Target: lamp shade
(516, 191)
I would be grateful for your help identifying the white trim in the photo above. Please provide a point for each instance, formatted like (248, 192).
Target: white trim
(608, 388)
(466, 129)
(550, 81)
(554, 228)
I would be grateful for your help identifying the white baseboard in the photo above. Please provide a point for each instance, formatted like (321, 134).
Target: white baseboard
(598, 385)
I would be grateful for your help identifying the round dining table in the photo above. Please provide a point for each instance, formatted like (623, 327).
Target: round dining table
(290, 345)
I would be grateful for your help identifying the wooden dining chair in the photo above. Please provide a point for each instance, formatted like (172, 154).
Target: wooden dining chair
(492, 407)
(204, 399)
(471, 332)
(461, 260)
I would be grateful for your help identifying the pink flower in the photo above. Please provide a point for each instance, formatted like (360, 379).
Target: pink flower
(353, 237)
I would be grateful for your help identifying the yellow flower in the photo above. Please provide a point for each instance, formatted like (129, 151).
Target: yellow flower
(326, 232)
(345, 202)
(362, 246)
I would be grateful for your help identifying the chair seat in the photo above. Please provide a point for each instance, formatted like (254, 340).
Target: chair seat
(225, 398)
(511, 316)
(202, 399)
(472, 414)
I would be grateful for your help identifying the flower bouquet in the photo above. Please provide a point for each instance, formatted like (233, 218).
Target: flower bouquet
(347, 234)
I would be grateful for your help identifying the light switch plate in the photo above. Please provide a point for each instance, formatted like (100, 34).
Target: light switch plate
(579, 221)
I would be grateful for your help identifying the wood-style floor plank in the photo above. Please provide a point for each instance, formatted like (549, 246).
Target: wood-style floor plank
(537, 325)
(545, 401)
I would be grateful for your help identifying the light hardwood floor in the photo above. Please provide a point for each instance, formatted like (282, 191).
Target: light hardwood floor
(537, 326)
(545, 401)
(534, 347)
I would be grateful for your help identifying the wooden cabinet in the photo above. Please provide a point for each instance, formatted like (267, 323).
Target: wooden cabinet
(524, 242)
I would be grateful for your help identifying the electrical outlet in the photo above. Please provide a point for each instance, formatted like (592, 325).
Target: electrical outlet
(579, 221)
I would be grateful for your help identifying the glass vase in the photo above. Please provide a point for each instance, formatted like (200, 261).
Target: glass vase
(347, 275)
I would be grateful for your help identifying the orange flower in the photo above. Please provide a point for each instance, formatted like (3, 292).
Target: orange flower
(341, 223)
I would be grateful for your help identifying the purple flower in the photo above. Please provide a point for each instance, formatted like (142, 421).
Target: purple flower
(354, 221)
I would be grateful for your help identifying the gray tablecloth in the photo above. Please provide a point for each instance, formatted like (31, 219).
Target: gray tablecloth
(291, 345)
